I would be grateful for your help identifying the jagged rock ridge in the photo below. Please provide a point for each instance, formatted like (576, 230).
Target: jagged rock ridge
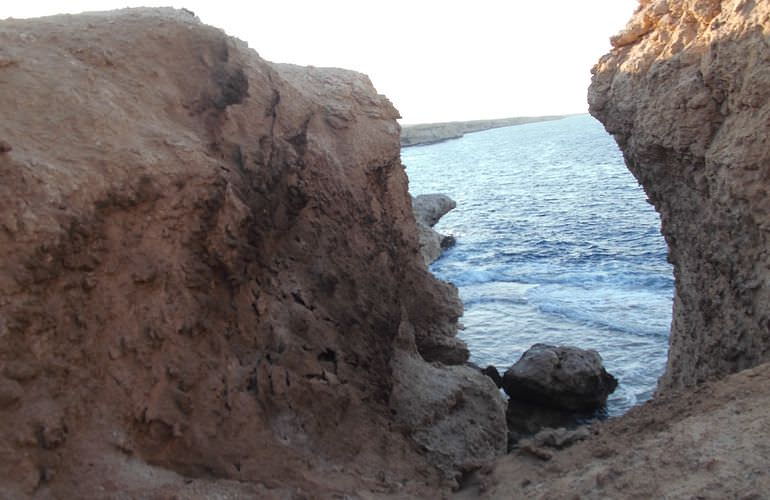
(209, 271)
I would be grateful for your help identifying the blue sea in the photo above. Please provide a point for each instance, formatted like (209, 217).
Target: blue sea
(556, 244)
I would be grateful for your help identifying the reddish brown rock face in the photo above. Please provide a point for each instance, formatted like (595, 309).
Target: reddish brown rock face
(205, 260)
(686, 94)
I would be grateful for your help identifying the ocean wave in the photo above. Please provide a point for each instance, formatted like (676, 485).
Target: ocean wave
(637, 312)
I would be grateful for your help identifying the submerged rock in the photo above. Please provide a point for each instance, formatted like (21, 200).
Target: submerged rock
(448, 242)
(563, 378)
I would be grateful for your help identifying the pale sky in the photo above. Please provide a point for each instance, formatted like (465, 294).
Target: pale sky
(435, 60)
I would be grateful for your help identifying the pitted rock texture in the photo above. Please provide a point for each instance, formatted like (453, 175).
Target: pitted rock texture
(461, 423)
(686, 93)
(205, 261)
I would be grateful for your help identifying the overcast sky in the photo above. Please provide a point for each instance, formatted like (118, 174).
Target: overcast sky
(436, 60)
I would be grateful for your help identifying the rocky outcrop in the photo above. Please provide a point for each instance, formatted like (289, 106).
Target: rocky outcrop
(525, 419)
(206, 265)
(460, 422)
(429, 133)
(553, 387)
(563, 377)
(686, 93)
(428, 210)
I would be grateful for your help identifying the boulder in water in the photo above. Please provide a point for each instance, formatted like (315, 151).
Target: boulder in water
(563, 377)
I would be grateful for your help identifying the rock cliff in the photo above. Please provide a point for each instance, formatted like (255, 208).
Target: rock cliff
(686, 93)
(210, 282)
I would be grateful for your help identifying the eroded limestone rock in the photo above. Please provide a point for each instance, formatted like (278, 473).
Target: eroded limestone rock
(428, 210)
(205, 261)
(461, 424)
(686, 94)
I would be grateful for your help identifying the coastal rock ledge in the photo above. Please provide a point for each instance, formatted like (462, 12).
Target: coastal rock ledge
(210, 278)
(686, 94)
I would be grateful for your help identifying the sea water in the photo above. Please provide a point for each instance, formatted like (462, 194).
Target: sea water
(555, 244)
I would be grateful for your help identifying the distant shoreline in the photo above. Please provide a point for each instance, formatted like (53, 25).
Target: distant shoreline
(430, 133)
